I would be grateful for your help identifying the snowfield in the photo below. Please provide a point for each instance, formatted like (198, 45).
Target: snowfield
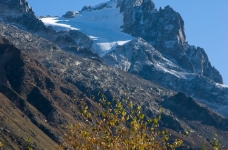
(103, 26)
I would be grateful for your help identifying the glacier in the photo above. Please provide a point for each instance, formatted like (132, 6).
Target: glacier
(103, 26)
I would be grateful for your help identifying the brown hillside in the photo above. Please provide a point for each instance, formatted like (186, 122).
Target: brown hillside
(16, 128)
(39, 96)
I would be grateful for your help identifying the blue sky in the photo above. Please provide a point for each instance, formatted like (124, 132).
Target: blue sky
(206, 23)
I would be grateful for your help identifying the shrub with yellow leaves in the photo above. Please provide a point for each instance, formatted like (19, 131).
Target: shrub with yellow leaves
(121, 125)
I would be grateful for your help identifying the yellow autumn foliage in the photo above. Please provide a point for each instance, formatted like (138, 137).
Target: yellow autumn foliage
(120, 126)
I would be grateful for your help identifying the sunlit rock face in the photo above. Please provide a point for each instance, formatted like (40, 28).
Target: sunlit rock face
(164, 29)
(162, 55)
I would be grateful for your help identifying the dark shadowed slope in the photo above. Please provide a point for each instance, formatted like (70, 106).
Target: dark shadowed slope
(41, 97)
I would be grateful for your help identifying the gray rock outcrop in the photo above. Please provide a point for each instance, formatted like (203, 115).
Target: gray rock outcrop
(70, 14)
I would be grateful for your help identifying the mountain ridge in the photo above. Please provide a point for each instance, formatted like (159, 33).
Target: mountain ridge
(164, 30)
(148, 95)
(54, 67)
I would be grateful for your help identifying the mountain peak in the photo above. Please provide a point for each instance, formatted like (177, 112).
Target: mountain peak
(16, 6)
(125, 5)
(20, 14)
(168, 7)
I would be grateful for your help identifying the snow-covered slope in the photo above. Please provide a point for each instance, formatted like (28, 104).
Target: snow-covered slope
(102, 25)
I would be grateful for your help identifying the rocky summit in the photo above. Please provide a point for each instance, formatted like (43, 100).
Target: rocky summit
(143, 53)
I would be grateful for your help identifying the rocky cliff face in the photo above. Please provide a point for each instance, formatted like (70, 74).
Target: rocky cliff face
(19, 6)
(164, 29)
(201, 63)
(161, 54)
(19, 13)
(141, 58)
